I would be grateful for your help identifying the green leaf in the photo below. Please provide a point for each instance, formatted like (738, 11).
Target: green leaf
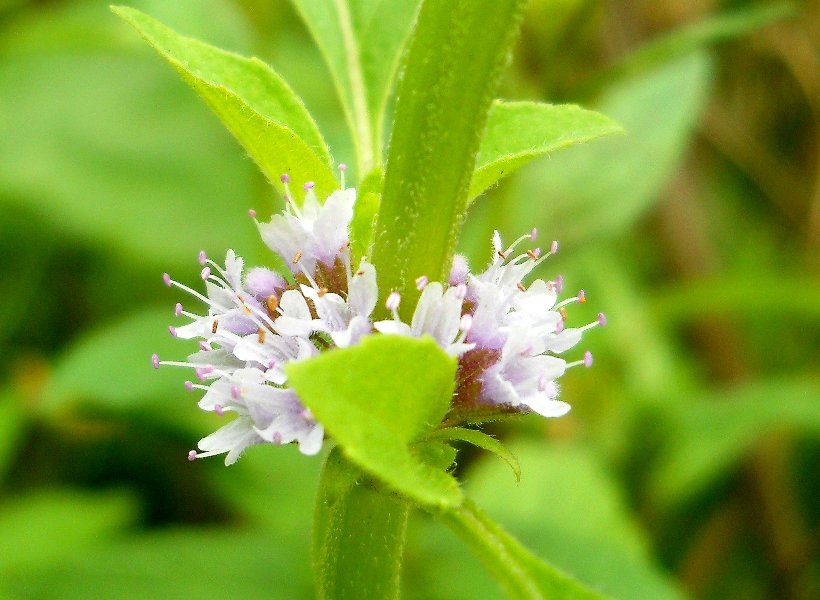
(110, 369)
(710, 434)
(567, 509)
(519, 132)
(358, 535)
(183, 564)
(601, 189)
(252, 101)
(127, 137)
(689, 38)
(48, 527)
(480, 440)
(362, 397)
(517, 570)
(451, 72)
(361, 41)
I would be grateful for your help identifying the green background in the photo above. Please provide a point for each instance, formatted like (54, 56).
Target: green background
(688, 465)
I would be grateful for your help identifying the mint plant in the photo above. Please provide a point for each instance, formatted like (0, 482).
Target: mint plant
(376, 338)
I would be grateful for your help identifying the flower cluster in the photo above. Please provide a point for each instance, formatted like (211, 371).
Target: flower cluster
(506, 335)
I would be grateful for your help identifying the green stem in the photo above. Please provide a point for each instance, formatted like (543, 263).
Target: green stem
(359, 535)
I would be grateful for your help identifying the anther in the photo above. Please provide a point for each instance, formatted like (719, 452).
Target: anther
(308, 185)
(166, 279)
(178, 309)
(172, 330)
(582, 297)
(601, 319)
(272, 303)
(189, 385)
(534, 253)
(192, 455)
(322, 292)
(559, 326)
(554, 247)
(155, 360)
(202, 257)
(260, 335)
(218, 410)
(587, 359)
(520, 287)
(533, 234)
(203, 345)
(466, 323)
(501, 255)
(297, 257)
(421, 282)
(236, 392)
(559, 283)
(542, 383)
(251, 213)
(563, 312)
(277, 438)
(393, 301)
(206, 272)
(461, 291)
(214, 326)
(342, 167)
(284, 178)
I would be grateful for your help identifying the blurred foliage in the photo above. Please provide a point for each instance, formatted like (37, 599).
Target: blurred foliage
(688, 466)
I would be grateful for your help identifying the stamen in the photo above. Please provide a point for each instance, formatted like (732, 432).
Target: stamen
(554, 247)
(189, 385)
(342, 169)
(166, 279)
(202, 257)
(206, 272)
(587, 359)
(601, 319)
(534, 253)
(201, 372)
(155, 360)
(308, 185)
(393, 301)
(178, 309)
(251, 213)
(172, 330)
(421, 282)
(582, 297)
(192, 455)
(284, 178)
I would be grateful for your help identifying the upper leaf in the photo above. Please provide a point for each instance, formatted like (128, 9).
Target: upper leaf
(361, 42)
(253, 102)
(449, 80)
(376, 397)
(518, 132)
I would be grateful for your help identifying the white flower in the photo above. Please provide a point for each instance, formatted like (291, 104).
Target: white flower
(437, 314)
(313, 232)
